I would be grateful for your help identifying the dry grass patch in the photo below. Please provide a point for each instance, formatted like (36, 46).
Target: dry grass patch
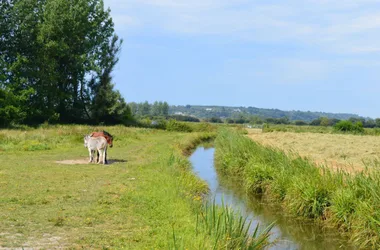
(85, 161)
(339, 151)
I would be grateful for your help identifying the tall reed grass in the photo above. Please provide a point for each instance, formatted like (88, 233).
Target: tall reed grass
(229, 229)
(223, 228)
(349, 202)
(217, 226)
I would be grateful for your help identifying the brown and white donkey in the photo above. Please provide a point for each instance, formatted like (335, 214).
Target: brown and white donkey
(107, 136)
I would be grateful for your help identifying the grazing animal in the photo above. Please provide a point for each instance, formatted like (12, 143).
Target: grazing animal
(98, 144)
(107, 136)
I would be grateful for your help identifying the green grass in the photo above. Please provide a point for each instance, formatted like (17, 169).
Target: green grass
(132, 204)
(229, 229)
(348, 202)
(148, 199)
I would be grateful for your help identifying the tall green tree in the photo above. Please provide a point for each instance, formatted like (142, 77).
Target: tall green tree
(19, 53)
(11, 107)
(165, 109)
(144, 108)
(377, 121)
(60, 54)
(134, 108)
(156, 109)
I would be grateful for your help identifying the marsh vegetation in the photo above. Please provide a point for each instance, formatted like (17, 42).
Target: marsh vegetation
(337, 198)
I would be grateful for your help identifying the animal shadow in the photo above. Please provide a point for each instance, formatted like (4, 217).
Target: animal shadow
(112, 161)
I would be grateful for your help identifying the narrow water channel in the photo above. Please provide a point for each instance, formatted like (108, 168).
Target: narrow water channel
(288, 233)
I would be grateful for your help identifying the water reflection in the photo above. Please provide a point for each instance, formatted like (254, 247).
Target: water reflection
(289, 232)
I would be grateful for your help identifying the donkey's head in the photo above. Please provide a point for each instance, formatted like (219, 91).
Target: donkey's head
(110, 141)
(109, 138)
(86, 138)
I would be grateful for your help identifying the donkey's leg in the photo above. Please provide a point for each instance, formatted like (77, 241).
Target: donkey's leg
(100, 155)
(93, 156)
(105, 155)
(90, 153)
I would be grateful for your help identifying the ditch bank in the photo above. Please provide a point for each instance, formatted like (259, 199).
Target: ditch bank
(287, 232)
(301, 190)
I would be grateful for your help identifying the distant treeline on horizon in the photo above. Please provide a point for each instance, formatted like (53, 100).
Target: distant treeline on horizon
(204, 112)
(252, 115)
(242, 115)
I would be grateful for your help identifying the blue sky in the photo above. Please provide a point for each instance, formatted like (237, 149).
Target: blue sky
(317, 55)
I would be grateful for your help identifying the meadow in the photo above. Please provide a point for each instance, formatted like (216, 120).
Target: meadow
(312, 129)
(335, 198)
(148, 198)
(338, 151)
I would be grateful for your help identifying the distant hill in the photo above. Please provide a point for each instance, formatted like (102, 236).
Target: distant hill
(204, 112)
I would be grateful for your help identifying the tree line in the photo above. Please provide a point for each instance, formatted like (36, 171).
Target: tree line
(235, 113)
(321, 121)
(56, 60)
(146, 109)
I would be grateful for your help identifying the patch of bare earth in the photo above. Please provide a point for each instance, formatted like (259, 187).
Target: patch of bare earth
(46, 241)
(337, 151)
(73, 162)
(85, 161)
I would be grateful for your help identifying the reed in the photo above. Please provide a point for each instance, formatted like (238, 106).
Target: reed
(349, 202)
(228, 229)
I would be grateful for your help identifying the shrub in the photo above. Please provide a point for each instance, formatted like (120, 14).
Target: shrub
(300, 123)
(173, 125)
(203, 127)
(158, 124)
(184, 118)
(348, 126)
(266, 128)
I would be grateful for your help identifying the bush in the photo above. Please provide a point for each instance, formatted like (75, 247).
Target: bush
(265, 128)
(203, 127)
(173, 125)
(184, 118)
(348, 126)
(300, 123)
(214, 120)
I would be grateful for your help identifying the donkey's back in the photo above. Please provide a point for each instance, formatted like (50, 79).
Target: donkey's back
(96, 143)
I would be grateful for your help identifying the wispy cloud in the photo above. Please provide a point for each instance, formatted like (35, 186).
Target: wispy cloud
(338, 26)
(299, 48)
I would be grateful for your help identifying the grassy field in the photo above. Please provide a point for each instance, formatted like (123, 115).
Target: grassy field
(314, 129)
(148, 198)
(346, 151)
(346, 201)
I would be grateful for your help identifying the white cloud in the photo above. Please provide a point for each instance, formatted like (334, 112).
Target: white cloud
(317, 22)
(346, 26)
